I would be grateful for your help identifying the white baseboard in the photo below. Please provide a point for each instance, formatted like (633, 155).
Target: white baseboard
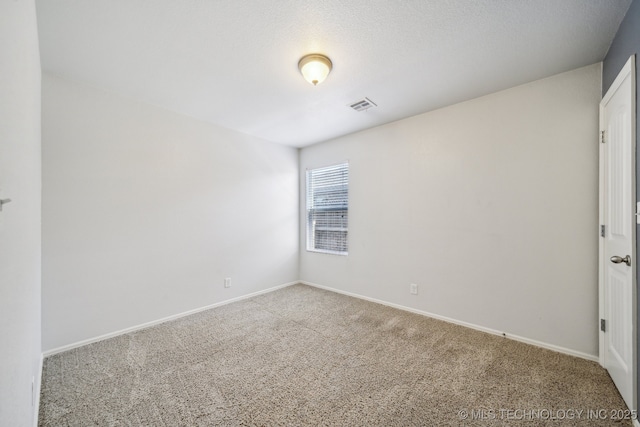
(351, 294)
(38, 387)
(158, 321)
(462, 323)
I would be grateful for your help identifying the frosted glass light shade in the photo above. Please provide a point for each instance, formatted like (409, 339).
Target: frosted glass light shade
(315, 68)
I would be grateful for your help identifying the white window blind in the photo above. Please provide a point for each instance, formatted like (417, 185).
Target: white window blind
(328, 209)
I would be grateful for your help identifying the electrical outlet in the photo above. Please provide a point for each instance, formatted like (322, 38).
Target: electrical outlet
(227, 282)
(413, 289)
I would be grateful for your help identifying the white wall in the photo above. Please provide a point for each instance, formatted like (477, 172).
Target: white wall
(490, 206)
(19, 220)
(146, 211)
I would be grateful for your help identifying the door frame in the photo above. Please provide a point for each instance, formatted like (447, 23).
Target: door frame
(627, 70)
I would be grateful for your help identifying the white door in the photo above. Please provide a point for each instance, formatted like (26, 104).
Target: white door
(617, 254)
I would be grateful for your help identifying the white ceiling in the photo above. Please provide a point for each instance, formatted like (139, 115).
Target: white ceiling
(234, 62)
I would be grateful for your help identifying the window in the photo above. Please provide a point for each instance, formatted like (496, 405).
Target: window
(328, 209)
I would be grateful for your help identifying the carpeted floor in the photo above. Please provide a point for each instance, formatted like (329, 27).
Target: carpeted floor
(301, 356)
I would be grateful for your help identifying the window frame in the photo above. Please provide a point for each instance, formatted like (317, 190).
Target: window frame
(310, 210)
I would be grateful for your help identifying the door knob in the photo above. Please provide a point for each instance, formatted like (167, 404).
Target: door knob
(617, 260)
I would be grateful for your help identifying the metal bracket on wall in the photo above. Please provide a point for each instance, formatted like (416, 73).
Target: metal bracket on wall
(3, 202)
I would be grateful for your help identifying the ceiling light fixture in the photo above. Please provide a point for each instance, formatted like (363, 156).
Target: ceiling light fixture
(315, 67)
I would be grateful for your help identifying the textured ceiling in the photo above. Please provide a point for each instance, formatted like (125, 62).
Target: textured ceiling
(234, 62)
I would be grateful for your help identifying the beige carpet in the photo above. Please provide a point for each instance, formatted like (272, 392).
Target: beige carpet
(301, 356)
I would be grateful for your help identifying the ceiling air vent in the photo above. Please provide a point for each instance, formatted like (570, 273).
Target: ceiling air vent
(363, 104)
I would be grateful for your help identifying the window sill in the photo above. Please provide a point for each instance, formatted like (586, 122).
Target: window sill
(320, 251)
